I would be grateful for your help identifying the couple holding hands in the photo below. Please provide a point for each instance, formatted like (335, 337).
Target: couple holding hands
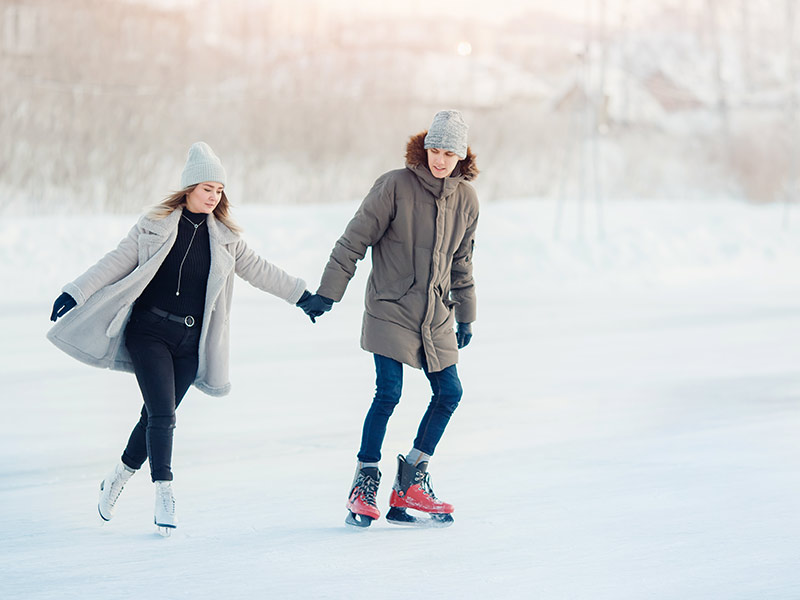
(158, 305)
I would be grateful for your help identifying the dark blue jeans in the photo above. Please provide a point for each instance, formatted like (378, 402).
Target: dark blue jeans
(164, 355)
(447, 392)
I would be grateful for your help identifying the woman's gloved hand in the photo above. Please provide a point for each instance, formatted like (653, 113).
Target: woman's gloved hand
(63, 304)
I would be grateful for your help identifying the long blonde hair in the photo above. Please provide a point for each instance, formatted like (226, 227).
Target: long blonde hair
(178, 199)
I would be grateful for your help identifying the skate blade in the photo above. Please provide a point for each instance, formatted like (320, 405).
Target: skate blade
(102, 516)
(355, 520)
(99, 512)
(165, 530)
(400, 516)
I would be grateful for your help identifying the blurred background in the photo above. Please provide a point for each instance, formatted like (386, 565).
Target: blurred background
(308, 101)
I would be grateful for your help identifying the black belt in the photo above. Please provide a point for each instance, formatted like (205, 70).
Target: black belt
(188, 320)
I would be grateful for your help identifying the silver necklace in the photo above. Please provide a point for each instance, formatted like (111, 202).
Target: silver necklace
(189, 247)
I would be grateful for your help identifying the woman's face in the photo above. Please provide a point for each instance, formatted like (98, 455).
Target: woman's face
(441, 162)
(204, 197)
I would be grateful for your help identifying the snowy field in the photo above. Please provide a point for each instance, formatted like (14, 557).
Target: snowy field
(629, 429)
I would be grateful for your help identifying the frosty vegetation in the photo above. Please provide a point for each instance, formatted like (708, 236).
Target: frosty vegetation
(309, 101)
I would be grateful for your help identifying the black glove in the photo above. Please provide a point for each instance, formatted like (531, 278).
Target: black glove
(463, 334)
(314, 305)
(63, 304)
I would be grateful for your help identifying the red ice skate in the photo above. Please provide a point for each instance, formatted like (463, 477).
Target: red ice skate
(361, 502)
(412, 489)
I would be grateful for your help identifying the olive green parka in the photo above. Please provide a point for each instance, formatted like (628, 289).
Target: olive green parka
(422, 231)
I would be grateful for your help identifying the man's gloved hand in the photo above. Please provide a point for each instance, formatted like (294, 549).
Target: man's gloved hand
(63, 304)
(463, 334)
(314, 305)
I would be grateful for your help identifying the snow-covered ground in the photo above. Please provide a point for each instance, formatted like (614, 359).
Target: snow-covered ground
(629, 427)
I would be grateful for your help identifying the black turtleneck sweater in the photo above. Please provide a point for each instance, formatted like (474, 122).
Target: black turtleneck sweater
(161, 292)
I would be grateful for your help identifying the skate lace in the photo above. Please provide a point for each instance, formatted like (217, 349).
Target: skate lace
(116, 490)
(167, 501)
(367, 488)
(116, 484)
(425, 485)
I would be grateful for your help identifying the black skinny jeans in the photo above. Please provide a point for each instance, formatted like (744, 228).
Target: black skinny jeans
(164, 355)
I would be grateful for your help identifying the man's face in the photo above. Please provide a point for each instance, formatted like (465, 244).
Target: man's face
(441, 162)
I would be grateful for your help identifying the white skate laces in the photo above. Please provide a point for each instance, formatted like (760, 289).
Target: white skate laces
(165, 518)
(110, 489)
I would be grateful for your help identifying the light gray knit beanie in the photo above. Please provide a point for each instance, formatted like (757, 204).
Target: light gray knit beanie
(202, 165)
(448, 132)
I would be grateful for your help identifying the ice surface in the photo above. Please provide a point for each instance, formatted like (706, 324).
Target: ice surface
(629, 427)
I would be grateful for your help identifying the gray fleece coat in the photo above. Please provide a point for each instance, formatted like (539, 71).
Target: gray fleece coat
(421, 230)
(94, 331)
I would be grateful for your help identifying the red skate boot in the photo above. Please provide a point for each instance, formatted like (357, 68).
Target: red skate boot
(361, 502)
(412, 489)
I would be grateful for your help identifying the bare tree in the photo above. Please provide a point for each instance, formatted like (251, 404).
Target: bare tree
(584, 125)
(712, 10)
(747, 59)
(791, 108)
(624, 36)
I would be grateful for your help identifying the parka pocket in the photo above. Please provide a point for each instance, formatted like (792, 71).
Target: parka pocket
(443, 290)
(394, 290)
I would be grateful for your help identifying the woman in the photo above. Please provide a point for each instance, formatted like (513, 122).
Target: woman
(158, 305)
(420, 222)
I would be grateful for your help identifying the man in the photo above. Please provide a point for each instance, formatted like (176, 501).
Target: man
(420, 222)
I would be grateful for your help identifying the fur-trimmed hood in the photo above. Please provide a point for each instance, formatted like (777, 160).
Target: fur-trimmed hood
(417, 156)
